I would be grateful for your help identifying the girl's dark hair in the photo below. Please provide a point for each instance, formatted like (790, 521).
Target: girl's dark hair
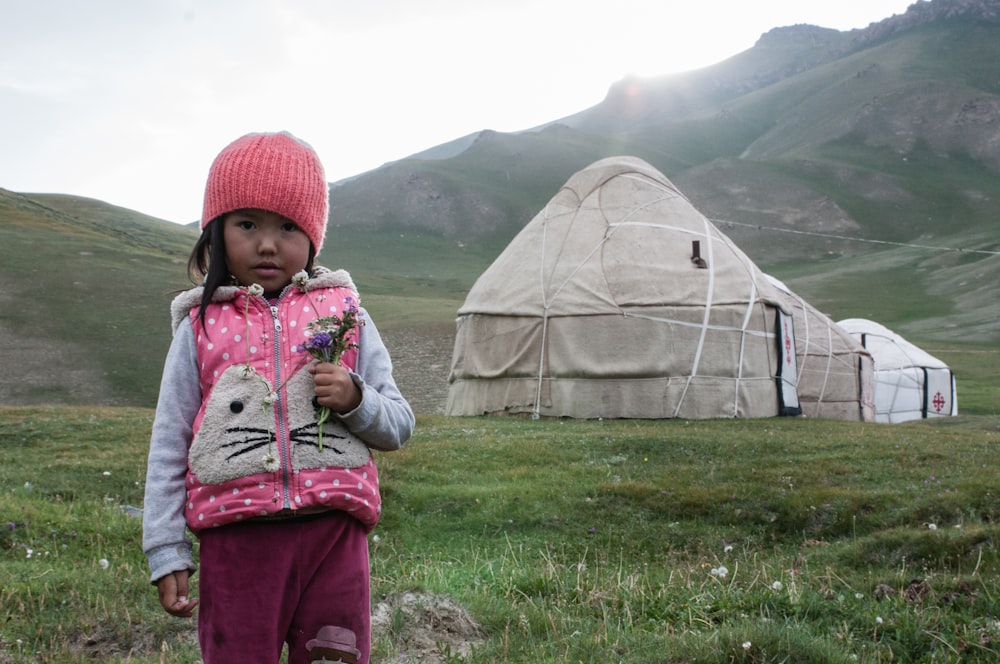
(207, 263)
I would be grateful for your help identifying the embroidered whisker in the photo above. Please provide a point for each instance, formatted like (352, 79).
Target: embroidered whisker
(312, 442)
(309, 434)
(249, 448)
(259, 438)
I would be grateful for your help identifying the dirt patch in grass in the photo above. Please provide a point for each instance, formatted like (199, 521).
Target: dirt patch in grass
(421, 361)
(41, 371)
(425, 627)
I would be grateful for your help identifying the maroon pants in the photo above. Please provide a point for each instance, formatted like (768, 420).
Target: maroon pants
(264, 584)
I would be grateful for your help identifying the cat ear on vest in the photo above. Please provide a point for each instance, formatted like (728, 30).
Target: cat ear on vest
(326, 278)
(182, 305)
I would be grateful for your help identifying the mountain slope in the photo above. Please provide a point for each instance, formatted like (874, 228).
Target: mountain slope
(908, 109)
(84, 287)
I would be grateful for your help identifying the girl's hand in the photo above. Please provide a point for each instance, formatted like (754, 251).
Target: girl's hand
(173, 591)
(334, 387)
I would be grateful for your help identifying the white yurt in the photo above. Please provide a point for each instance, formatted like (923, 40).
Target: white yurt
(910, 383)
(619, 299)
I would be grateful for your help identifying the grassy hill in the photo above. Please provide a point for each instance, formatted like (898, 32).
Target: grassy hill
(84, 289)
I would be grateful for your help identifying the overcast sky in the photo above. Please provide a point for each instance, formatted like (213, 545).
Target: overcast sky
(128, 101)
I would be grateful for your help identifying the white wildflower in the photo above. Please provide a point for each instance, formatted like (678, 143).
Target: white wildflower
(271, 463)
(878, 620)
(106, 473)
(255, 289)
(859, 595)
(746, 645)
(721, 571)
(103, 562)
(727, 548)
(375, 538)
(300, 278)
(776, 585)
(931, 526)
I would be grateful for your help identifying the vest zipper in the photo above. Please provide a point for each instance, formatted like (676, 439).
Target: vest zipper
(284, 446)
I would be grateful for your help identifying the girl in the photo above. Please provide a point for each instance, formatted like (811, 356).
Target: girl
(258, 448)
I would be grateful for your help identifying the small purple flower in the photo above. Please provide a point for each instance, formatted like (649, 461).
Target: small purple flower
(319, 341)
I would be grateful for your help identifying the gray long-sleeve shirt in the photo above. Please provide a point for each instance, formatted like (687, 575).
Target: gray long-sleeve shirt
(384, 420)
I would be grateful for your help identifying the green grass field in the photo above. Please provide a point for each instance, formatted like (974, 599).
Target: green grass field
(777, 540)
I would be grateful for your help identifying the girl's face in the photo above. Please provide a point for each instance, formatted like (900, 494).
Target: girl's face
(264, 248)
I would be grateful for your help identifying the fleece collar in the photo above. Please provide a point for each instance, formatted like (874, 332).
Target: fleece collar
(189, 299)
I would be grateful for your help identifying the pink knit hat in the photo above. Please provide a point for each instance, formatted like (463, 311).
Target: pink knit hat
(273, 172)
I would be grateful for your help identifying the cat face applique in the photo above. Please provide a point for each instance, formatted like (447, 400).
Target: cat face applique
(237, 436)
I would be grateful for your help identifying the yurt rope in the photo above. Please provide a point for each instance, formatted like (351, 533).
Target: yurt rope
(850, 238)
(829, 363)
(536, 408)
(743, 341)
(806, 355)
(705, 319)
(546, 304)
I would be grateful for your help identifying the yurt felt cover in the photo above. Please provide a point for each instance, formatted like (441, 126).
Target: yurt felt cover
(596, 309)
(910, 383)
(834, 373)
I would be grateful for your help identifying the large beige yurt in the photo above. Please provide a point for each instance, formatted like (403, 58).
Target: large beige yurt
(619, 299)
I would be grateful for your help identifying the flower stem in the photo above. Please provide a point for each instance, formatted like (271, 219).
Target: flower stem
(324, 415)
